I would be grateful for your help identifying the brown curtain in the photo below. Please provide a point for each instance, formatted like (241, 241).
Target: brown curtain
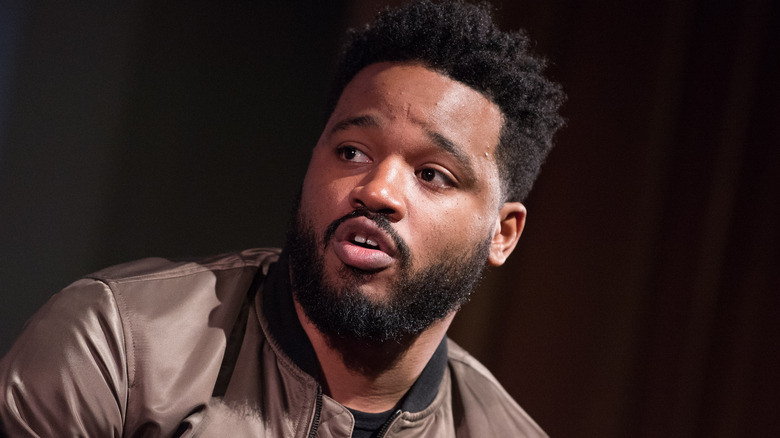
(644, 298)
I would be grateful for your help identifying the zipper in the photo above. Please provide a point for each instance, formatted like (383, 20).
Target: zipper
(388, 423)
(315, 422)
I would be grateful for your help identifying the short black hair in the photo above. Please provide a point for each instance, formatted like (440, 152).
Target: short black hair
(461, 41)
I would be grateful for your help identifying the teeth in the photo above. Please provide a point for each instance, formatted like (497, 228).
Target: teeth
(362, 239)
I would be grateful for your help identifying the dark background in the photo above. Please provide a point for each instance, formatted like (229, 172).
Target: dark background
(644, 298)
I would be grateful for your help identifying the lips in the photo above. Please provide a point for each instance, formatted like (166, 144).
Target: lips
(360, 243)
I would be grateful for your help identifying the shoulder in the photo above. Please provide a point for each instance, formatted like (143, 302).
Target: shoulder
(149, 286)
(486, 405)
(185, 308)
(176, 317)
(113, 340)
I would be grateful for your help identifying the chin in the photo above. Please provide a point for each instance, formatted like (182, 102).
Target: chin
(375, 293)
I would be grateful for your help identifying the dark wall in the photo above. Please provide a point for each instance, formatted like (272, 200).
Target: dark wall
(152, 129)
(643, 298)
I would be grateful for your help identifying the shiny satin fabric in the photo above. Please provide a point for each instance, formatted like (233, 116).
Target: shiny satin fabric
(136, 350)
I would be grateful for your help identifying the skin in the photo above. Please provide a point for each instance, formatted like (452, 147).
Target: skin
(418, 146)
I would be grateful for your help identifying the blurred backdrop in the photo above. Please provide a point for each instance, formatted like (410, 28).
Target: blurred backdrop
(644, 298)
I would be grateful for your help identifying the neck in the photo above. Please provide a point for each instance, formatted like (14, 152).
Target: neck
(372, 377)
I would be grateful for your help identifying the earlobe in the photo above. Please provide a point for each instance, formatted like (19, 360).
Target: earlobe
(509, 226)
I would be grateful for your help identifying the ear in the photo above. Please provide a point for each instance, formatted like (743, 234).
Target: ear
(509, 226)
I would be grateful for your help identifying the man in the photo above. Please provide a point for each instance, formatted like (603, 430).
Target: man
(438, 127)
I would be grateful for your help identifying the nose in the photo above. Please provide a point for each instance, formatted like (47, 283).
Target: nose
(381, 190)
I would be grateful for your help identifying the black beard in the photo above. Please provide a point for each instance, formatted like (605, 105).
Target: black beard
(416, 299)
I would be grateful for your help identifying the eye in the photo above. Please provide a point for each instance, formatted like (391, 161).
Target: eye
(351, 153)
(435, 178)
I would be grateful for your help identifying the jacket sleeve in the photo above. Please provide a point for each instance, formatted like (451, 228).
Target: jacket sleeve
(66, 375)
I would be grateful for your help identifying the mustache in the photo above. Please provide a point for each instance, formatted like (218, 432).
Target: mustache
(381, 220)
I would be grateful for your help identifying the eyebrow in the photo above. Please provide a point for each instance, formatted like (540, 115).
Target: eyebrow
(359, 121)
(438, 139)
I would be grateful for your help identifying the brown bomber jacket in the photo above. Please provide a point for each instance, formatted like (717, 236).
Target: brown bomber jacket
(160, 348)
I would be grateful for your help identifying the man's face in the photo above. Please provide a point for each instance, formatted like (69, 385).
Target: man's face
(402, 184)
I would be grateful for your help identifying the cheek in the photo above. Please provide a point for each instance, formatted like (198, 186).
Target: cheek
(324, 197)
(459, 227)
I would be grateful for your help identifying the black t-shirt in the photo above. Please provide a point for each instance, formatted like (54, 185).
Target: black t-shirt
(368, 425)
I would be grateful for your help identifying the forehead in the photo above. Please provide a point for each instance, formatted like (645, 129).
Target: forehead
(426, 96)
